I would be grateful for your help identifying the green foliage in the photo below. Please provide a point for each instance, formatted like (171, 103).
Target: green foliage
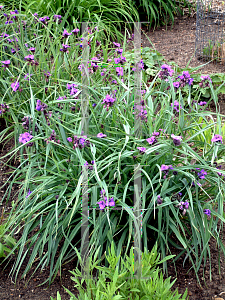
(7, 242)
(158, 11)
(50, 217)
(206, 129)
(57, 298)
(109, 15)
(124, 284)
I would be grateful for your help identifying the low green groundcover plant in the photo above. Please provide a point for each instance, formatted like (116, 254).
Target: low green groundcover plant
(130, 131)
(125, 285)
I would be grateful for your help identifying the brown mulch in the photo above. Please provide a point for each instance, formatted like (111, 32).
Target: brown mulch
(176, 44)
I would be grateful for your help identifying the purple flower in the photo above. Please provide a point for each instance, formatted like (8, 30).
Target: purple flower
(75, 31)
(102, 192)
(27, 76)
(15, 86)
(176, 106)
(116, 44)
(47, 75)
(207, 212)
(66, 33)
(119, 71)
(183, 206)
(117, 60)
(101, 204)
(167, 71)
(29, 57)
(5, 64)
(142, 149)
(156, 133)
(217, 138)
(65, 48)
(119, 51)
(166, 168)
(101, 135)
(176, 139)
(32, 49)
(38, 105)
(159, 200)
(69, 139)
(108, 101)
(57, 17)
(44, 20)
(111, 202)
(202, 174)
(25, 137)
(206, 77)
(151, 140)
(202, 103)
(28, 194)
(176, 84)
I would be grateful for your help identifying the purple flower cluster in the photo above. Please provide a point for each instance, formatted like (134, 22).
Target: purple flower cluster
(142, 149)
(176, 139)
(57, 17)
(15, 86)
(5, 64)
(108, 101)
(52, 138)
(217, 138)
(11, 16)
(101, 135)
(201, 174)
(166, 71)
(90, 167)
(140, 112)
(184, 79)
(27, 76)
(29, 58)
(205, 81)
(152, 140)
(3, 108)
(176, 106)
(27, 122)
(28, 194)
(139, 66)
(207, 212)
(79, 142)
(41, 106)
(159, 200)
(103, 203)
(25, 137)
(165, 169)
(219, 167)
(44, 20)
(47, 75)
(65, 48)
(201, 103)
(66, 34)
(73, 89)
(183, 206)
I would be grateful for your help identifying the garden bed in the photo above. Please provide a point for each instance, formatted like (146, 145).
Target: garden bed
(9, 291)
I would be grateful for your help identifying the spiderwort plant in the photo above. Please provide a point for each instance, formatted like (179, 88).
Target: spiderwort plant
(108, 152)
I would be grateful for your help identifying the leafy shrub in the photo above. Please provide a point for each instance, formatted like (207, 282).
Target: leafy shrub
(125, 285)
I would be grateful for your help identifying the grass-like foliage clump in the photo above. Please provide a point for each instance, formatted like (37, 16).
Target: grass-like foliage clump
(93, 117)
